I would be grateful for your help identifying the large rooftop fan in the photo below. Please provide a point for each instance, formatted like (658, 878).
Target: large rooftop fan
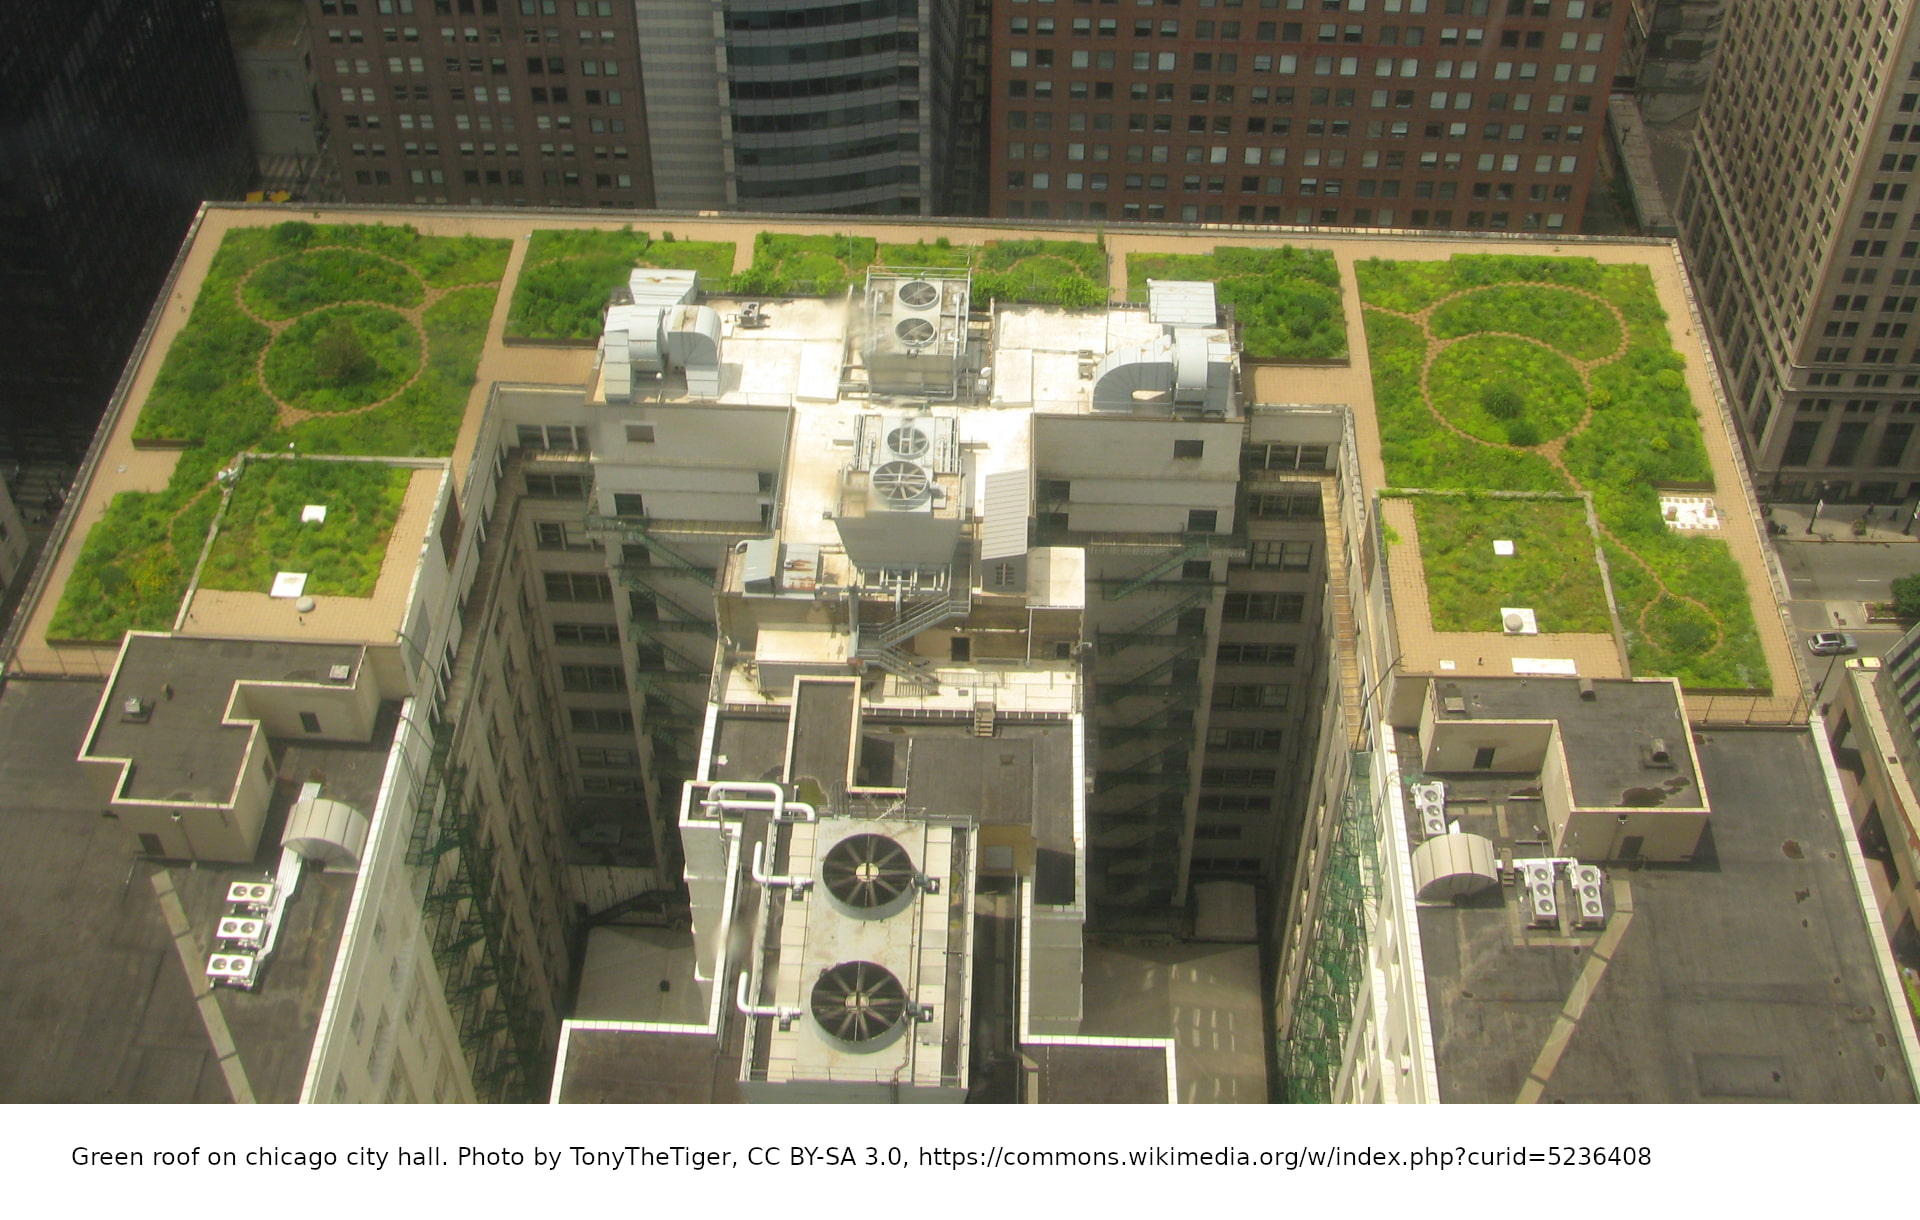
(914, 332)
(908, 441)
(900, 483)
(919, 294)
(867, 871)
(858, 1001)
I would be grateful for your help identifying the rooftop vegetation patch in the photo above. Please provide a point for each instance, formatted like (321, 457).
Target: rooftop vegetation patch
(210, 396)
(1286, 300)
(561, 292)
(342, 358)
(1569, 322)
(818, 264)
(262, 534)
(291, 286)
(1551, 570)
(1683, 600)
(1505, 390)
(939, 253)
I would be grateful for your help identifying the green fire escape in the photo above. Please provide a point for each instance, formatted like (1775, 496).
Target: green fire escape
(1313, 1048)
(488, 988)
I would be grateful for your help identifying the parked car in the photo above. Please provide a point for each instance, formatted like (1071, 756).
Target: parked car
(1832, 644)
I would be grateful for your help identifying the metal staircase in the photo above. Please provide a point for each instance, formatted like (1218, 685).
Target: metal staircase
(1172, 563)
(635, 529)
(1153, 769)
(630, 576)
(1145, 683)
(1147, 631)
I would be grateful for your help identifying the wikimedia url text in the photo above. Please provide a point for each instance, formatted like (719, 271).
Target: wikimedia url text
(579, 1157)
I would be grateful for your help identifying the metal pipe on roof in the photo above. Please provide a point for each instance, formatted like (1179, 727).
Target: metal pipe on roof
(799, 885)
(786, 1016)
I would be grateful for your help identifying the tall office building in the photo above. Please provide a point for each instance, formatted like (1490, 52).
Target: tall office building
(1798, 222)
(119, 119)
(1447, 114)
(563, 103)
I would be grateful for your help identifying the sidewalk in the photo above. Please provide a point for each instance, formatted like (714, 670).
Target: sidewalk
(1839, 523)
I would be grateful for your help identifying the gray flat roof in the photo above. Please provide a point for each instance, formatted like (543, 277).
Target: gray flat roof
(1100, 1075)
(93, 978)
(1748, 975)
(635, 1067)
(182, 751)
(1606, 738)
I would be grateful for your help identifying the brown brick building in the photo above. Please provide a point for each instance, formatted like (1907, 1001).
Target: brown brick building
(1465, 114)
(522, 102)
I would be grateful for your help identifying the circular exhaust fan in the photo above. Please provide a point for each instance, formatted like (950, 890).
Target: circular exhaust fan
(899, 483)
(914, 332)
(867, 871)
(908, 441)
(918, 294)
(858, 1001)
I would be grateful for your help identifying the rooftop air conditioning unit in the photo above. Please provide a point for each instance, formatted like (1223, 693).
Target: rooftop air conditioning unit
(916, 314)
(1543, 899)
(1430, 802)
(250, 893)
(242, 928)
(1589, 896)
(232, 967)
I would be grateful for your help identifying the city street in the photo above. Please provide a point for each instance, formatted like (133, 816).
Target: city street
(1829, 582)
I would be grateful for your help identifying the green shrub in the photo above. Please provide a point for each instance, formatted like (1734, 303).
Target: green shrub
(1502, 401)
(1523, 432)
(1906, 596)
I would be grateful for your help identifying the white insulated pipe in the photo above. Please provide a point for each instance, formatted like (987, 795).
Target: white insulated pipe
(799, 885)
(776, 803)
(786, 1016)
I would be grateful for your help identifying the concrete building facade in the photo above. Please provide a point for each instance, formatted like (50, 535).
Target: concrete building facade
(1445, 114)
(1797, 220)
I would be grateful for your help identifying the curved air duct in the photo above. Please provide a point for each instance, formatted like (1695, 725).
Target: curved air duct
(1177, 365)
(1452, 866)
(332, 833)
